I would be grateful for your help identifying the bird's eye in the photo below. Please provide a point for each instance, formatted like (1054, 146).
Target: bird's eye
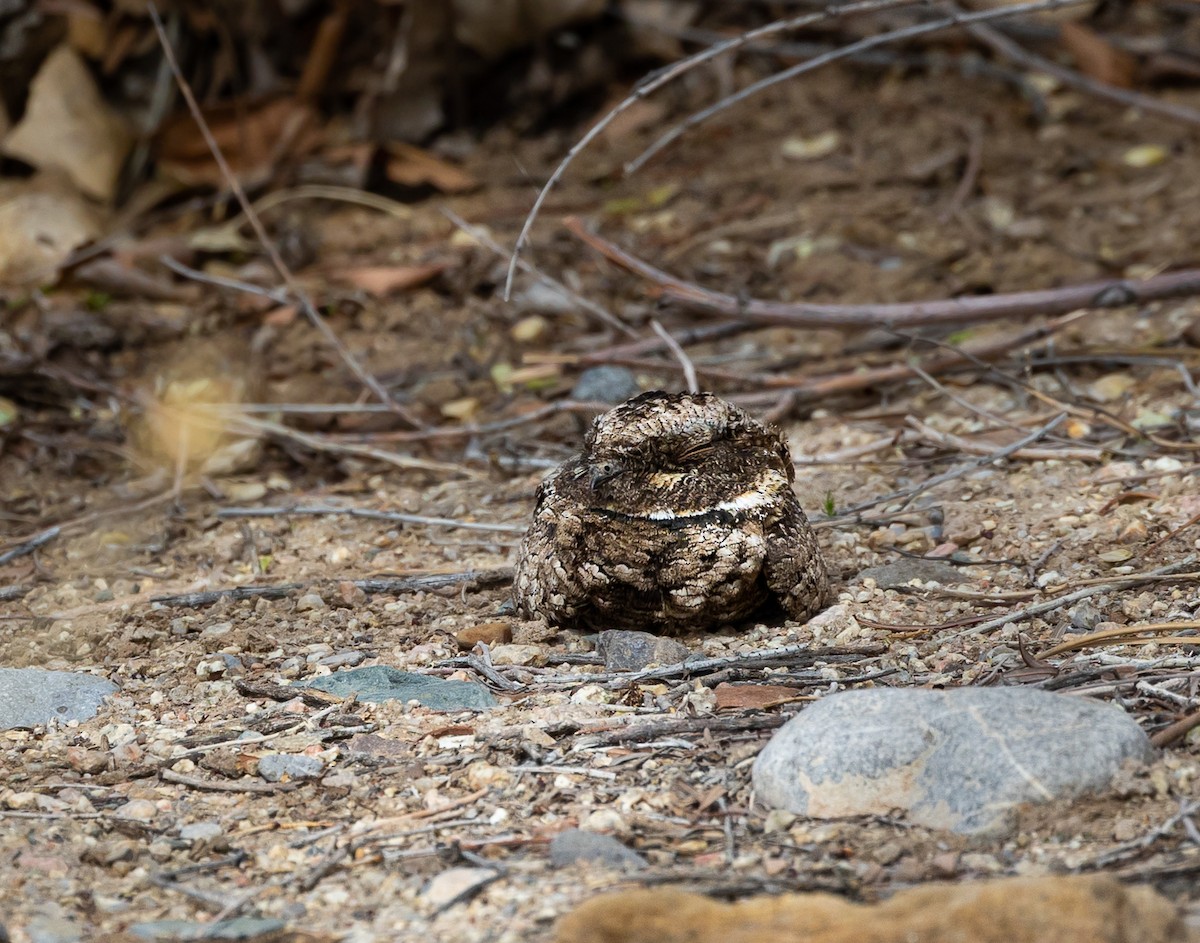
(603, 471)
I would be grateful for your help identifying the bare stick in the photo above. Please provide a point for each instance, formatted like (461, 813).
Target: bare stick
(481, 236)
(957, 472)
(252, 217)
(667, 75)
(30, 545)
(322, 443)
(1049, 605)
(689, 369)
(322, 510)
(1177, 730)
(656, 729)
(948, 440)
(412, 584)
(870, 42)
(216, 785)
(1109, 293)
(1130, 848)
(1128, 634)
(1002, 45)
(278, 295)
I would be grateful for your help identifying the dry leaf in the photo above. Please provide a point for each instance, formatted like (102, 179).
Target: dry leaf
(462, 409)
(67, 125)
(411, 166)
(380, 280)
(1096, 57)
(814, 148)
(1144, 155)
(42, 220)
(254, 138)
(754, 695)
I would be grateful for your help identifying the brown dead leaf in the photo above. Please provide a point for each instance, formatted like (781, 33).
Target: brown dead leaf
(42, 220)
(1096, 57)
(380, 280)
(68, 126)
(754, 695)
(411, 166)
(254, 137)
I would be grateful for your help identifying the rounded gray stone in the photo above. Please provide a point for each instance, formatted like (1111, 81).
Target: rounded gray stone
(960, 760)
(32, 696)
(577, 845)
(605, 384)
(275, 767)
(624, 650)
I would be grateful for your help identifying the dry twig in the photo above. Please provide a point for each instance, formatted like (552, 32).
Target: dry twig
(294, 287)
(1109, 293)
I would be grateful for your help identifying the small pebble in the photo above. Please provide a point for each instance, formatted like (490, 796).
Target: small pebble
(141, 810)
(276, 767)
(200, 831)
(310, 602)
(575, 845)
(491, 633)
(605, 384)
(343, 659)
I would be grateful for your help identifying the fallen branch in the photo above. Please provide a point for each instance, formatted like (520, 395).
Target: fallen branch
(1108, 293)
(412, 584)
(1049, 605)
(321, 510)
(653, 730)
(665, 76)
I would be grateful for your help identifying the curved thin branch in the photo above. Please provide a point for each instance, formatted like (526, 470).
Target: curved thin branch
(842, 52)
(669, 74)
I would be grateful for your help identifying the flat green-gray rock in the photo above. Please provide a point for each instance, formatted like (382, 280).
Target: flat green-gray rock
(380, 683)
(238, 930)
(32, 696)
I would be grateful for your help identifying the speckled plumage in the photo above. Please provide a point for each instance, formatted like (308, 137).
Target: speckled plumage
(678, 514)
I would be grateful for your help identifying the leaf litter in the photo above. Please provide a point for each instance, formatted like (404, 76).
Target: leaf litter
(439, 822)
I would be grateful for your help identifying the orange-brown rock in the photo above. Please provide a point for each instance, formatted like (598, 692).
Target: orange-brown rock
(1080, 909)
(491, 633)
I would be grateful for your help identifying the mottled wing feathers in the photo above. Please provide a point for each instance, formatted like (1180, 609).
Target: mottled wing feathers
(678, 514)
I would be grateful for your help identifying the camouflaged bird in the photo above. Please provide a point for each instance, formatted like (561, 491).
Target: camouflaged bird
(678, 514)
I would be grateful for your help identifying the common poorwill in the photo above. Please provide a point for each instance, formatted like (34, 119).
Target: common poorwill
(678, 514)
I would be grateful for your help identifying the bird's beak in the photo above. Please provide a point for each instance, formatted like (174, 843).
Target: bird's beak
(600, 475)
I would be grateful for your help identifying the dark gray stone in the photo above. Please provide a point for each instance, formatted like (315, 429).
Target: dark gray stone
(1085, 616)
(380, 683)
(623, 650)
(961, 760)
(901, 572)
(275, 767)
(605, 384)
(575, 845)
(238, 930)
(32, 696)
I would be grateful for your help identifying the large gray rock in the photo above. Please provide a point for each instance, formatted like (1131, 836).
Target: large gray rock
(961, 760)
(32, 696)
